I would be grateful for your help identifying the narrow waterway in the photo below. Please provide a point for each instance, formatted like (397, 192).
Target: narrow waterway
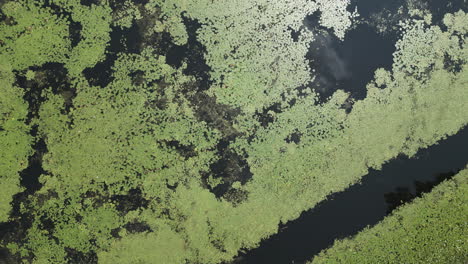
(346, 213)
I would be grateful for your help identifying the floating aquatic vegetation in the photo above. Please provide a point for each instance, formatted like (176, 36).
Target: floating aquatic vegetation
(193, 162)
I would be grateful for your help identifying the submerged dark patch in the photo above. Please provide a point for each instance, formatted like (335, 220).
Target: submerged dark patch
(77, 257)
(122, 40)
(265, 116)
(75, 33)
(196, 63)
(131, 201)
(231, 167)
(137, 227)
(30, 175)
(186, 151)
(89, 2)
(48, 75)
(294, 138)
(5, 257)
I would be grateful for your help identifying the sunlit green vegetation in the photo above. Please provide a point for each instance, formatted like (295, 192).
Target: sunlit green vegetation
(34, 37)
(432, 229)
(34, 34)
(129, 165)
(15, 140)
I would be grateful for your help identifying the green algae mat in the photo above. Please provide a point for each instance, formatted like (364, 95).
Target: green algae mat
(147, 160)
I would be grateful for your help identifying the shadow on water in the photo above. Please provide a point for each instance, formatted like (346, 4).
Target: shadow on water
(402, 195)
(346, 213)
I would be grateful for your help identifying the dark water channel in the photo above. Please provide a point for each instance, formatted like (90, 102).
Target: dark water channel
(346, 213)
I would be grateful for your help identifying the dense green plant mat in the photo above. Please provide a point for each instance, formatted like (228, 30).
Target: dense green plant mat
(431, 229)
(147, 162)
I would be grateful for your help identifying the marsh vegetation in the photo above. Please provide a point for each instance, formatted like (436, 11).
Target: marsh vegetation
(167, 131)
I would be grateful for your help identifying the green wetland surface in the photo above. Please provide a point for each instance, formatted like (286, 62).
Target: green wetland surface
(216, 131)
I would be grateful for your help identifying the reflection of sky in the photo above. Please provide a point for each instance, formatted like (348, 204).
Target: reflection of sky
(350, 64)
(335, 64)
